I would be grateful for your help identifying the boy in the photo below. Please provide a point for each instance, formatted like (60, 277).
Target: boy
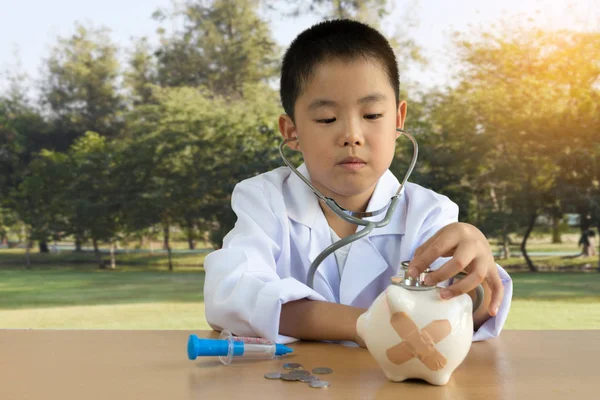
(340, 92)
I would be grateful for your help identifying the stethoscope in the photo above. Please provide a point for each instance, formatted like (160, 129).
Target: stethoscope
(351, 216)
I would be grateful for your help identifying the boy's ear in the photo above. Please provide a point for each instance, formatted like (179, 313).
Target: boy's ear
(287, 128)
(401, 115)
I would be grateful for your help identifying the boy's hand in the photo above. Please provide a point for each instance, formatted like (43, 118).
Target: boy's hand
(470, 251)
(320, 320)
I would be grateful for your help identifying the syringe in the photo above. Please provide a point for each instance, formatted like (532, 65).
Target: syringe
(229, 346)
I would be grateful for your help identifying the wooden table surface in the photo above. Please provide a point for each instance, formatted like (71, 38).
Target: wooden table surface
(90, 364)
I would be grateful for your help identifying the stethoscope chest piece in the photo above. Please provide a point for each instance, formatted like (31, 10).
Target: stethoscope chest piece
(407, 282)
(418, 283)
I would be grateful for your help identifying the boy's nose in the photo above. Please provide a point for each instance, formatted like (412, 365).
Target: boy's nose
(353, 135)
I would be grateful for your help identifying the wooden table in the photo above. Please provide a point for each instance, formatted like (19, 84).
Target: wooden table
(63, 364)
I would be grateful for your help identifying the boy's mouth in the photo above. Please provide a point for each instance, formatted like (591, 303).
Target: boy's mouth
(352, 163)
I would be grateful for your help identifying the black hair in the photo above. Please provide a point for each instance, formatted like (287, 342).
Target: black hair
(340, 39)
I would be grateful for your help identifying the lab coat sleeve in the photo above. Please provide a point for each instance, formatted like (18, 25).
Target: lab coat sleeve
(444, 214)
(492, 327)
(242, 291)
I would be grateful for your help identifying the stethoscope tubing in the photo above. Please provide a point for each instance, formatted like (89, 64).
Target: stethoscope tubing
(351, 216)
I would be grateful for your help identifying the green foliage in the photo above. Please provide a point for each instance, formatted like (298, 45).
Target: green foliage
(80, 85)
(125, 153)
(9, 150)
(509, 137)
(223, 45)
(141, 74)
(8, 220)
(335, 9)
(23, 133)
(192, 148)
(36, 199)
(93, 196)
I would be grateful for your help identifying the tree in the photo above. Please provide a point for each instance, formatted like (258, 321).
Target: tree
(35, 199)
(188, 139)
(375, 13)
(80, 85)
(8, 220)
(80, 89)
(191, 149)
(514, 81)
(23, 134)
(141, 74)
(222, 46)
(9, 152)
(92, 198)
(341, 9)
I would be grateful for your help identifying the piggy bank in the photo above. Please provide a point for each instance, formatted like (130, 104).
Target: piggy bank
(413, 333)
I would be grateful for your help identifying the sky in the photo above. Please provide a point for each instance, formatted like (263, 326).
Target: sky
(29, 28)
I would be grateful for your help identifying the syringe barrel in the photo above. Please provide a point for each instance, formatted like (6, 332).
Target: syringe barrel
(254, 348)
(228, 347)
(258, 350)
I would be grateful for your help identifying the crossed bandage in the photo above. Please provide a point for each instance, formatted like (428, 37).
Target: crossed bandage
(420, 344)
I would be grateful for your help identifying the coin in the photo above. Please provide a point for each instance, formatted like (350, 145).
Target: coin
(292, 366)
(289, 378)
(273, 375)
(299, 372)
(322, 371)
(319, 384)
(308, 379)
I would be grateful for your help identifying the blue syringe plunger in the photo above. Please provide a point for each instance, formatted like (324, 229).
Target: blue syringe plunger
(228, 348)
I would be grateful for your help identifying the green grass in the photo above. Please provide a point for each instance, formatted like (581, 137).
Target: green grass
(63, 291)
(573, 287)
(17, 258)
(67, 287)
(82, 296)
(553, 314)
(516, 249)
(555, 300)
(557, 263)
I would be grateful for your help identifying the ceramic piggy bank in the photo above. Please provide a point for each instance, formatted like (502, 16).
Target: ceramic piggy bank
(413, 333)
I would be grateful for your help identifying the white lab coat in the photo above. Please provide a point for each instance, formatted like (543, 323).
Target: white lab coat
(281, 229)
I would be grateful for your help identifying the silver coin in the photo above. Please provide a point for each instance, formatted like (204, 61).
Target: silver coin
(299, 372)
(322, 371)
(319, 384)
(289, 378)
(292, 366)
(273, 375)
(308, 379)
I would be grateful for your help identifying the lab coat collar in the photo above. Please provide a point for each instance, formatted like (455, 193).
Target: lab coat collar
(384, 190)
(303, 205)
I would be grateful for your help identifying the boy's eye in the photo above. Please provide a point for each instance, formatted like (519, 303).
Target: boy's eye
(326, 121)
(373, 116)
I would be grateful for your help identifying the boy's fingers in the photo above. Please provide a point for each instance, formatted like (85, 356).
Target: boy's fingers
(422, 247)
(429, 241)
(465, 285)
(430, 252)
(461, 258)
(497, 289)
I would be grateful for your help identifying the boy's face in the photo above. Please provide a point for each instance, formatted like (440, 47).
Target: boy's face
(346, 120)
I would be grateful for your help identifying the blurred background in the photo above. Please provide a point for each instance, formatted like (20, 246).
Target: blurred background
(124, 126)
